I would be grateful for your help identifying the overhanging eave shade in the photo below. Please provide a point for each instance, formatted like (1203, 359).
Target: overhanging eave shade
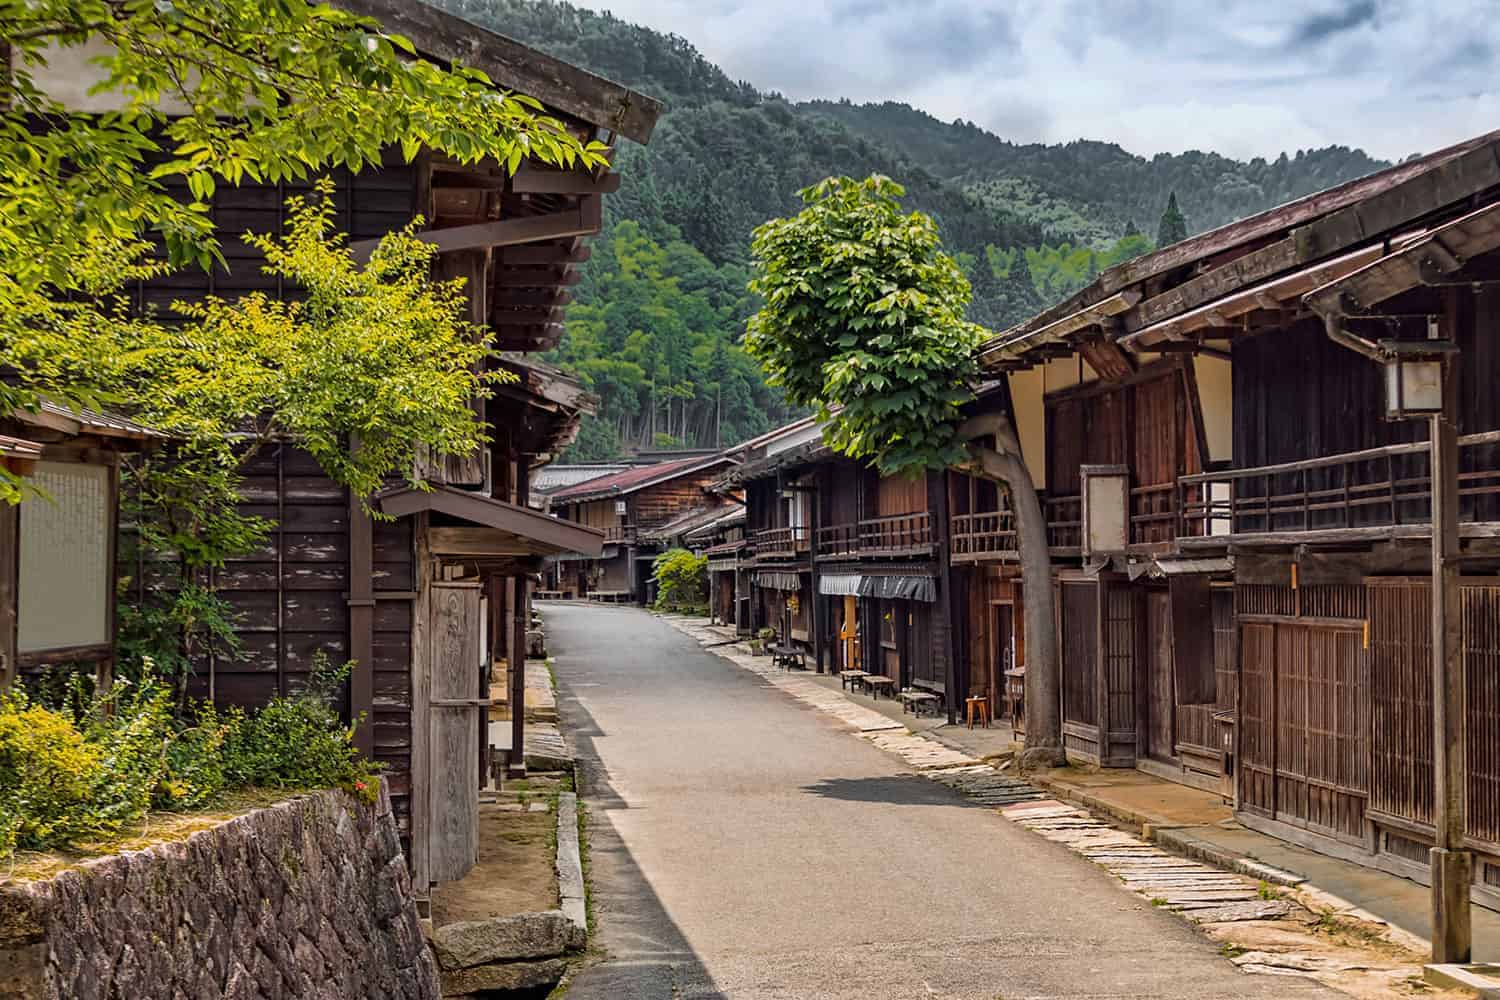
(543, 535)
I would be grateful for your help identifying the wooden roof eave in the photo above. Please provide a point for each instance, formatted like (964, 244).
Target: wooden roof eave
(1426, 260)
(1281, 292)
(1297, 232)
(1014, 345)
(544, 535)
(516, 67)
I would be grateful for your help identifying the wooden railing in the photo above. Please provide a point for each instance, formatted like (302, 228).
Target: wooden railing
(839, 541)
(1370, 489)
(620, 533)
(1153, 513)
(1064, 522)
(780, 543)
(990, 535)
(898, 534)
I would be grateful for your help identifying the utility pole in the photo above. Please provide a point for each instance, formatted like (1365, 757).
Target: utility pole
(1452, 865)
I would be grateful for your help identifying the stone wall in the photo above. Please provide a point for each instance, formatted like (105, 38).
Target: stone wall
(308, 898)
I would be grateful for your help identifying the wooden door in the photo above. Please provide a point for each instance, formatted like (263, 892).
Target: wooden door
(1002, 653)
(849, 634)
(454, 707)
(1158, 664)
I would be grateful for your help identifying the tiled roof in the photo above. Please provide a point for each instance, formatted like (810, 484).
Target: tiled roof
(633, 479)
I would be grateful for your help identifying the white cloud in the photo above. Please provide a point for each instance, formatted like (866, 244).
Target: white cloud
(1241, 77)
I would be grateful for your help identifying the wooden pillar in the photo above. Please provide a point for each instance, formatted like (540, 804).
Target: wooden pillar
(1452, 865)
(819, 640)
(10, 516)
(517, 662)
(937, 504)
(362, 624)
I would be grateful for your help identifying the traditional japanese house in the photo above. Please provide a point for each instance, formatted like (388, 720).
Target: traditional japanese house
(1241, 513)
(629, 507)
(57, 547)
(429, 602)
(724, 544)
(850, 564)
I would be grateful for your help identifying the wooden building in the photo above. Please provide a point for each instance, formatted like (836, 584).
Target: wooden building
(57, 548)
(1240, 521)
(430, 602)
(848, 564)
(629, 507)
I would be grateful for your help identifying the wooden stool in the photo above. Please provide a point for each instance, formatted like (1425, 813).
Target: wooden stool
(977, 705)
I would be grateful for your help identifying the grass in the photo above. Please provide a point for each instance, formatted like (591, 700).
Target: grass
(1158, 901)
(1267, 891)
(155, 828)
(1231, 950)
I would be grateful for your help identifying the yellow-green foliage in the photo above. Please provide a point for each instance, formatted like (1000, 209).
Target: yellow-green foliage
(681, 580)
(69, 777)
(48, 774)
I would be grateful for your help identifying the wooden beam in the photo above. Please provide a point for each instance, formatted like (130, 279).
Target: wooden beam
(526, 317)
(500, 233)
(572, 252)
(535, 277)
(514, 66)
(544, 297)
(532, 179)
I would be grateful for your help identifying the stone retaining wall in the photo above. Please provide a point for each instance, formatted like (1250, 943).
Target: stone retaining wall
(308, 898)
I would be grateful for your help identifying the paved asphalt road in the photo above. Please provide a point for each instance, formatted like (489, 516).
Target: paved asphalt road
(744, 845)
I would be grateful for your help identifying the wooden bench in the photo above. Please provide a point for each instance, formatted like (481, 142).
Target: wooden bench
(875, 684)
(610, 596)
(915, 700)
(851, 678)
(546, 595)
(788, 656)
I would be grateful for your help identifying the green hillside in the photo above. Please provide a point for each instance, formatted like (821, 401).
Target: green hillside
(659, 317)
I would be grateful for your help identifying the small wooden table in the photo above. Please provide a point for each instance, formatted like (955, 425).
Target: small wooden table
(875, 684)
(788, 656)
(851, 678)
(979, 705)
(914, 700)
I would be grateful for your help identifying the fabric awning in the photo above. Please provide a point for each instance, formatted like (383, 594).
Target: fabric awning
(723, 565)
(839, 584)
(887, 587)
(899, 588)
(777, 580)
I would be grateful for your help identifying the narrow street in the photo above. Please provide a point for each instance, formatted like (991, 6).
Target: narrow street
(744, 846)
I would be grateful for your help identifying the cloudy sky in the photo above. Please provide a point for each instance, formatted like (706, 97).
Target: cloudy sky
(1242, 77)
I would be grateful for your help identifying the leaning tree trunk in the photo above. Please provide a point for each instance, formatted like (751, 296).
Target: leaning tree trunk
(1003, 464)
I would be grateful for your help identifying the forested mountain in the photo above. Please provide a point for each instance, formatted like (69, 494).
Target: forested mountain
(659, 317)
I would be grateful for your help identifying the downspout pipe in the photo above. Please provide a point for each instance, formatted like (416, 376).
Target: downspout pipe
(1333, 326)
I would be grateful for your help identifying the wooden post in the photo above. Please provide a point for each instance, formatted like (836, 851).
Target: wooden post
(517, 761)
(1451, 865)
(362, 625)
(937, 505)
(816, 612)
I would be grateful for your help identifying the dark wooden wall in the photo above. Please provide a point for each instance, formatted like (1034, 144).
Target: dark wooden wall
(659, 504)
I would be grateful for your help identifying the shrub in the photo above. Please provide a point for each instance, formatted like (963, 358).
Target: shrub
(68, 777)
(681, 580)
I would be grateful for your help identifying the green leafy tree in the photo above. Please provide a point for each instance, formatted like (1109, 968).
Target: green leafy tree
(864, 320)
(681, 580)
(202, 93)
(1173, 225)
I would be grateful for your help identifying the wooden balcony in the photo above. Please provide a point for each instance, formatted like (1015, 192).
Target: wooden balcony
(892, 537)
(1375, 494)
(991, 536)
(620, 534)
(779, 544)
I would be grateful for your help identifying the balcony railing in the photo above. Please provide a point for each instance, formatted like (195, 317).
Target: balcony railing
(839, 541)
(1351, 494)
(780, 543)
(1153, 513)
(990, 536)
(896, 535)
(624, 533)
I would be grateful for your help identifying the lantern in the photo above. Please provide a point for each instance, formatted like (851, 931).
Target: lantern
(1414, 377)
(1106, 509)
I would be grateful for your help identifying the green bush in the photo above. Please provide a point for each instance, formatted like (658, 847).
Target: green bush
(68, 777)
(681, 581)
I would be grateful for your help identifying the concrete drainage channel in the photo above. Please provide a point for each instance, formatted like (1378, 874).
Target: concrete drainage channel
(1191, 880)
